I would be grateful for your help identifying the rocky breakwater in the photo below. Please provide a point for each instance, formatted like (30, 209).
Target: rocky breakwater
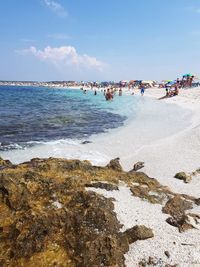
(47, 218)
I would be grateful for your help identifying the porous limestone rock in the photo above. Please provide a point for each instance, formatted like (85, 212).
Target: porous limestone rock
(187, 178)
(115, 164)
(48, 218)
(138, 232)
(82, 231)
(177, 206)
(5, 163)
(197, 201)
(106, 186)
(137, 166)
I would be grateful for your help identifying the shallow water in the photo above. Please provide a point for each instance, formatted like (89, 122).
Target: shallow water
(33, 114)
(59, 121)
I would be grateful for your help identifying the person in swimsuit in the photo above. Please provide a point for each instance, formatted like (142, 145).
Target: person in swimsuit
(108, 95)
(142, 89)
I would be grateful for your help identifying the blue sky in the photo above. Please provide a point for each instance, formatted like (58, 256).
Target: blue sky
(99, 39)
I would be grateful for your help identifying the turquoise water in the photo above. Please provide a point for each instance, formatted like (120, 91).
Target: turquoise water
(44, 122)
(33, 114)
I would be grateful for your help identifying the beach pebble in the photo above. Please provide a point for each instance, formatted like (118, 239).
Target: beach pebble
(167, 254)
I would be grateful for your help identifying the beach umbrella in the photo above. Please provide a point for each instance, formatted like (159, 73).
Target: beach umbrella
(167, 81)
(188, 75)
(171, 83)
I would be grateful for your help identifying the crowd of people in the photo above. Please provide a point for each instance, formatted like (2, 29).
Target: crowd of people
(110, 92)
(171, 87)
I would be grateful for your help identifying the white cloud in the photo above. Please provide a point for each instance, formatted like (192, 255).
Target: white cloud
(55, 7)
(63, 56)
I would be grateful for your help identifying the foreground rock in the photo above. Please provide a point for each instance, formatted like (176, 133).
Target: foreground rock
(187, 178)
(185, 222)
(106, 186)
(4, 164)
(47, 218)
(115, 164)
(139, 233)
(137, 166)
(177, 207)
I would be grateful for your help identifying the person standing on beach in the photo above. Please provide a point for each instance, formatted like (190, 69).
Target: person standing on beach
(177, 86)
(178, 82)
(188, 81)
(191, 81)
(167, 91)
(142, 89)
(120, 92)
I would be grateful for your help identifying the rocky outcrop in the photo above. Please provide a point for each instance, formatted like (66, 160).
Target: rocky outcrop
(47, 218)
(137, 166)
(115, 164)
(153, 261)
(185, 222)
(106, 186)
(138, 232)
(197, 201)
(91, 232)
(187, 178)
(177, 206)
(145, 193)
(5, 163)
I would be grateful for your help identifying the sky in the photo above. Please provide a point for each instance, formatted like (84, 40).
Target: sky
(99, 40)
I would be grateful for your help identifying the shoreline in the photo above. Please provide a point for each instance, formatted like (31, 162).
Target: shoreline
(179, 152)
(163, 158)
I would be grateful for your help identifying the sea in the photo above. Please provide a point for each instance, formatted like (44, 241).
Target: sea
(34, 117)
